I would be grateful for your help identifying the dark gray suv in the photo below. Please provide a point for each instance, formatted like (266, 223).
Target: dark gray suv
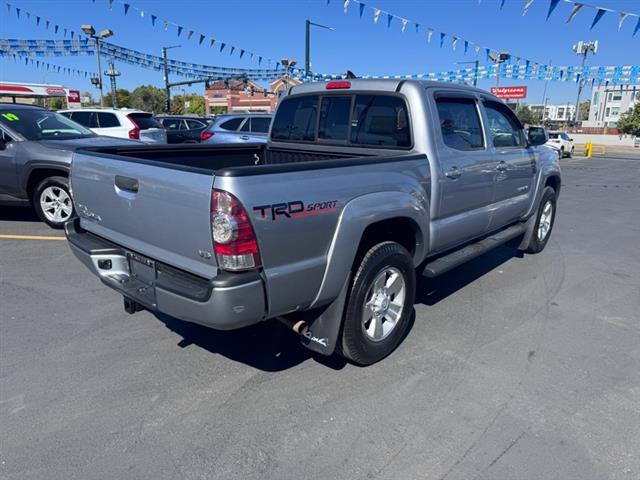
(36, 146)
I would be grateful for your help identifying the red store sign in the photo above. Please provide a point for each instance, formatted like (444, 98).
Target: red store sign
(509, 92)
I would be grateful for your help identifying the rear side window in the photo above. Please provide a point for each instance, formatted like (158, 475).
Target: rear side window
(553, 135)
(460, 123)
(334, 118)
(296, 119)
(86, 119)
(172, 123)
(107, 120)
(260, 125)
(194, 124)
(232, 124)
(380, 120)
(144, 121)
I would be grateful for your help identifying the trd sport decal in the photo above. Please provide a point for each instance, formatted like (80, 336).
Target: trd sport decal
(295, 209)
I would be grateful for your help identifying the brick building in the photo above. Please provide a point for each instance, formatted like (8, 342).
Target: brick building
(236, 96)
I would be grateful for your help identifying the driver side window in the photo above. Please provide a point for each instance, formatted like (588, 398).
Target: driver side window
(504, 128)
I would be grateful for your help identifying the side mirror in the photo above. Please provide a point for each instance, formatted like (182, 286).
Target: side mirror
(537, 136)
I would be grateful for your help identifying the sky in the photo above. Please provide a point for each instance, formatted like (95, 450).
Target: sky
(275, 29)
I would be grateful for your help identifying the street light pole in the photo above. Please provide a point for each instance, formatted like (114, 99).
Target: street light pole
(582, 49)
(307, 40)
(167, 88)
(91, 33)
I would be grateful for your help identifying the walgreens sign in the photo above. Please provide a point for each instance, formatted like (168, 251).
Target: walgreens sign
(509, 92)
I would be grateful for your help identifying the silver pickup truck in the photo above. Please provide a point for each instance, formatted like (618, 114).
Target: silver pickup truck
(363, 185)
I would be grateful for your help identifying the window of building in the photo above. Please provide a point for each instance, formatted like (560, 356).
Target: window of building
(617, 96)
(460, 123)
(615, 111)
(606, 112)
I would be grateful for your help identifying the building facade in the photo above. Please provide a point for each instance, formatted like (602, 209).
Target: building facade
(609, 103)
(555, 113)
(238, 96)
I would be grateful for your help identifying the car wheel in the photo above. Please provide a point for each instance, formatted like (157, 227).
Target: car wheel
(561, 152)
(380, 303)
(546, 216)
(52, 201)
(570, 154)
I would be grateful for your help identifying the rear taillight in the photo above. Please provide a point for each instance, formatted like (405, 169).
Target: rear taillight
(234, 240)
(205, 135)
(134, 134)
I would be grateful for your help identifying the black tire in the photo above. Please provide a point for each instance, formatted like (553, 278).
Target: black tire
(562, 152)
(355, 343)
(537, 244)
(570, 154)
(60, 184)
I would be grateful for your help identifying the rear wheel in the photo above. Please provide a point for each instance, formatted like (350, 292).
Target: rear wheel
(380, 303)
(546, 216)
(570, 154)
(52, 201)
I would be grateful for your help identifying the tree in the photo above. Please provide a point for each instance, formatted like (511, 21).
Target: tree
(584, 109)
(147, 98)
(525, 115)
(56, 103)
(123, 98)
(630, 121)
(90, 102)
(191, 103)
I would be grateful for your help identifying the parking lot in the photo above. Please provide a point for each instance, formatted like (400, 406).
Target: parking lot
(515, 367)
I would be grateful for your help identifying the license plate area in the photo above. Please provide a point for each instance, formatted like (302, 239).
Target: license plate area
(141, 283)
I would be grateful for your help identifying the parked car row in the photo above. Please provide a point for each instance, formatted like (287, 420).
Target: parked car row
(36, 146)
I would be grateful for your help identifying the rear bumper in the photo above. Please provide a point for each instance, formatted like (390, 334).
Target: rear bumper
(229, 301)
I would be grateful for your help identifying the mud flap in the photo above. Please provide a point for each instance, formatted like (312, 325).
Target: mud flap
(324, 324)
(528, 233)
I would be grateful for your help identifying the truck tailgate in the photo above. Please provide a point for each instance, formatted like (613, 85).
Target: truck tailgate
(161, 211)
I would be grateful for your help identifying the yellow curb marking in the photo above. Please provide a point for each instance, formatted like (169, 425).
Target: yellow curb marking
(30, 237)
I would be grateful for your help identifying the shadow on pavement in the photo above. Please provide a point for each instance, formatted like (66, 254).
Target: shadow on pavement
(18, 214)
(267, 346)
(430, 291)
(272, 347)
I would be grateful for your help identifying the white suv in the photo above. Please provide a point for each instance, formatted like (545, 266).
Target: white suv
(561, 141)
(120, 123)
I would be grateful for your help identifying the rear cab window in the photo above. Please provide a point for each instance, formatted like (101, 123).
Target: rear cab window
(376, 120)
(144, 121)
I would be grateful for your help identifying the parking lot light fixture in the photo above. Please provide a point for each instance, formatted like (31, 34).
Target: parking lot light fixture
(307, 41)
(91, 33)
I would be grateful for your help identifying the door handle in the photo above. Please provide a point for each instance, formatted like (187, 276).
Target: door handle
(502, 166)
(453, 173)
(127, 184)
(244, 137)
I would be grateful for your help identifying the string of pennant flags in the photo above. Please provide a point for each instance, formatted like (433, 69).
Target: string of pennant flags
(51, 25)
(201, 38)
(627, 74)
(430, 34)
(85, 46)
(576, 7)
(41, 64)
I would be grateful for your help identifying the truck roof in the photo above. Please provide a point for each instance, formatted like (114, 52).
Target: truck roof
(382, 85)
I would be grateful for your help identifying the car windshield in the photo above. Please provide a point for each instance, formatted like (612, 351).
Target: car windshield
(37, 124)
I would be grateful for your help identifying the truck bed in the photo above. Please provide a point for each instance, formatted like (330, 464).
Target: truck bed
(211, 158)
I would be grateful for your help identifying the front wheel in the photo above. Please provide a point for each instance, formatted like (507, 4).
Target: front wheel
(546, 216)
(52, 201)
(379, 305)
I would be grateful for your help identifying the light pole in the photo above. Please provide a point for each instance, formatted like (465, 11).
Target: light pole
(499, 59)
(307, 39)
(167, 88)
(112, 73)
(287, 64)
(91, 33)
(583, 49)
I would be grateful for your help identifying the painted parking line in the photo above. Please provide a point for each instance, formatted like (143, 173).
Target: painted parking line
(30, 237)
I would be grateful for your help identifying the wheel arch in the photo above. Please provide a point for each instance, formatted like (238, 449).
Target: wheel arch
(376, 217)
(37, 173)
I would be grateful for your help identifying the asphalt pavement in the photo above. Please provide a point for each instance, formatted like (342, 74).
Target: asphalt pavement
(516, 367)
